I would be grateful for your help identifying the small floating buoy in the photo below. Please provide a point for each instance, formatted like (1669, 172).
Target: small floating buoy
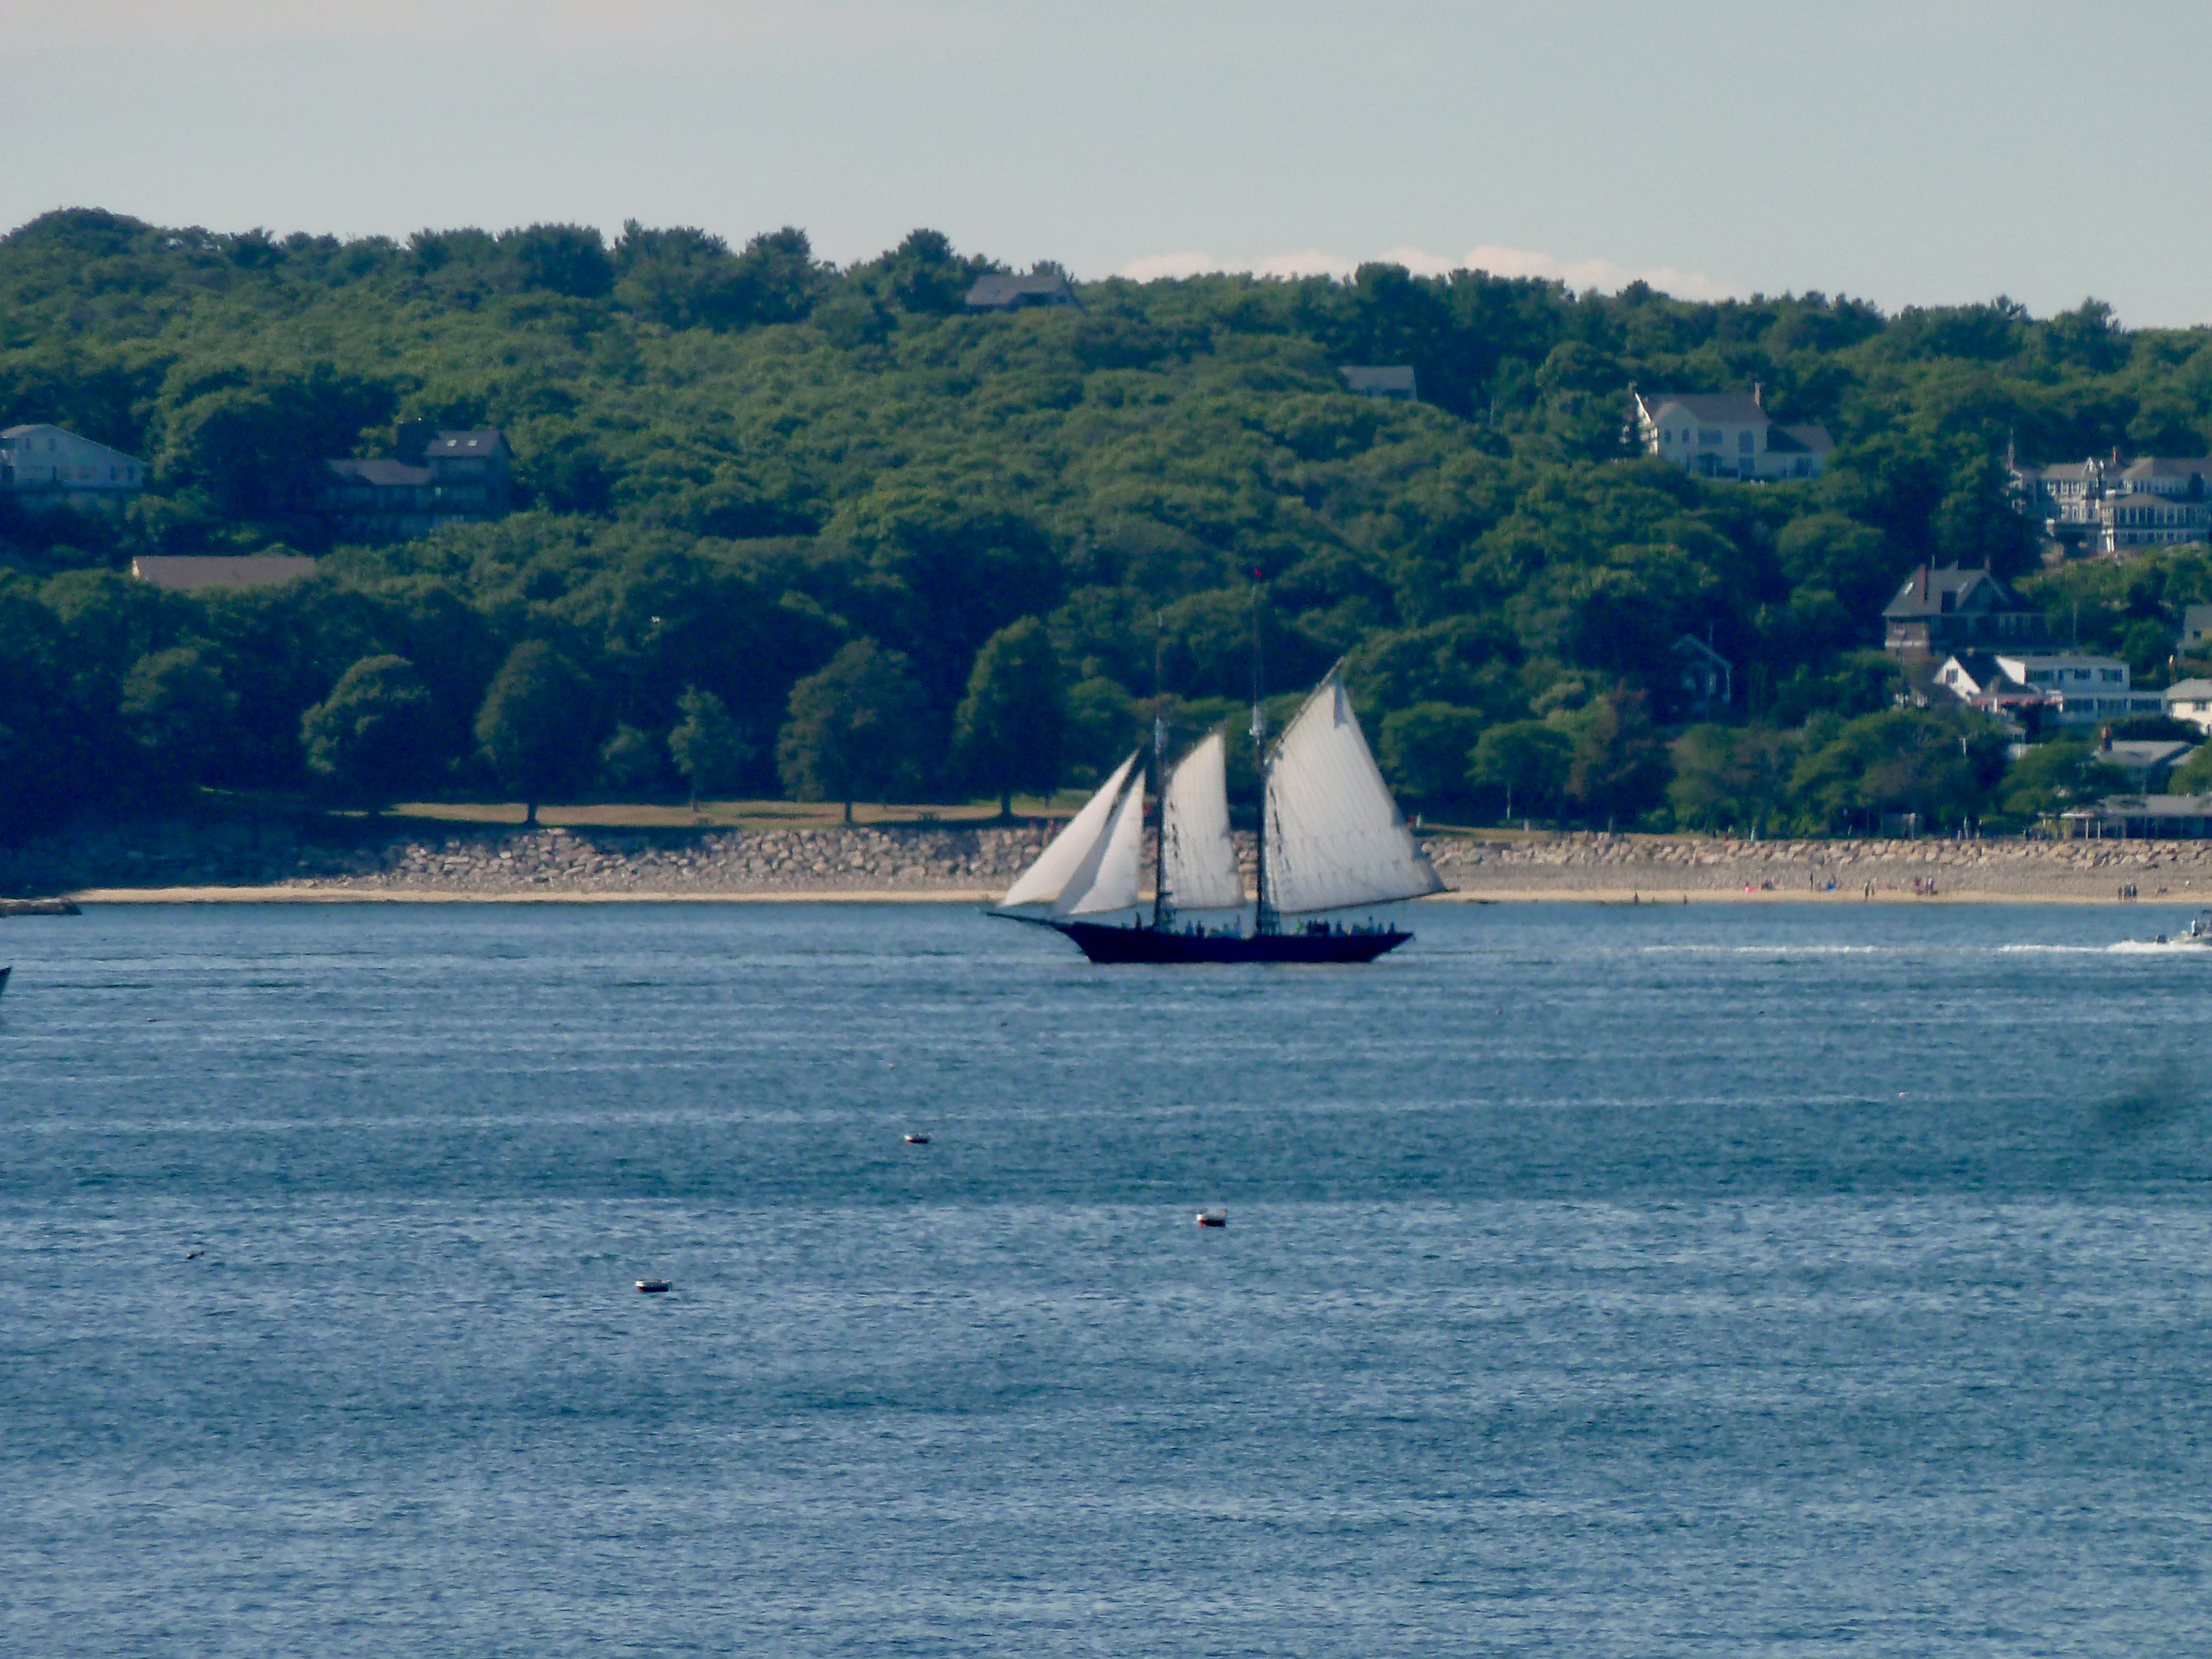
(194, 1255)
(917, 1140)
(654, 1286)
(1213, 1217)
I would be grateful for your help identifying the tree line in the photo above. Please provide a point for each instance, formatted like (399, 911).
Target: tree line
(795, 528)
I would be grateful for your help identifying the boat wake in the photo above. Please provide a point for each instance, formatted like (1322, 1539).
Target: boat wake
(2126, 947)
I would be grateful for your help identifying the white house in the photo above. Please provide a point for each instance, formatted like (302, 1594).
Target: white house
(2191, 700)
(2114, 505)
(2149, 518)
(2073, 688)
(1728, 435)
(43, 466)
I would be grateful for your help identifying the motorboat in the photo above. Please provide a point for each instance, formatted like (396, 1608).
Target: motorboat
(654, 1286)
(2199, 933)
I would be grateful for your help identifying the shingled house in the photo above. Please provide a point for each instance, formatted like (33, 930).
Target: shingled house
(1941, 612)
(437, 479)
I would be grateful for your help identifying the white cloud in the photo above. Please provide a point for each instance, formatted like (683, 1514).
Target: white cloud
(1607, 275)
(1310, 263)
(1154, 266)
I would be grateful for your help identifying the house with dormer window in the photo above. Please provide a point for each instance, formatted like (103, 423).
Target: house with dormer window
(1939, 612)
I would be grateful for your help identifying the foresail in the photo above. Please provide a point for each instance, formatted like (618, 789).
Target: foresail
(1108, 879)
(1200, 858)
(1046, 879)
(1334, 836)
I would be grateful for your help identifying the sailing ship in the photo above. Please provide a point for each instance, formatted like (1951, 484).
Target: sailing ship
(1331, 840)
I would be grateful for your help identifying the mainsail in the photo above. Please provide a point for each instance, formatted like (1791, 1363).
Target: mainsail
(1200, 858)
(1107, 877)
(1334, 836)
(1045, 880)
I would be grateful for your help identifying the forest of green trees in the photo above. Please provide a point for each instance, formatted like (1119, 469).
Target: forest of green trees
(796, 529)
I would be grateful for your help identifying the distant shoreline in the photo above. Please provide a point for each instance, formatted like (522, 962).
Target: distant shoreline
(1607, 895)
(437, 896)
(171, 862)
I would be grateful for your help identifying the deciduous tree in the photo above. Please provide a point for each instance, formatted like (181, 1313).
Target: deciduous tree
(1011, 730)
(708, 749)
(851, 731)
(375, 736)
(536, 728)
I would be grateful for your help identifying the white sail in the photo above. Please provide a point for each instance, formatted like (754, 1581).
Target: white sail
(1334, 837)
(1201, 859)
(1107, 880)
(1046, 879)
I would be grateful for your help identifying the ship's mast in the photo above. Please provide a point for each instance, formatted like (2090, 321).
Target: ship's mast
(1263, 914)
(1161, 911)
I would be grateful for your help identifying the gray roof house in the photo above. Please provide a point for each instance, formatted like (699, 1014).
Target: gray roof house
(186, 573)
(1380, 380)
(2143, 817)
(1006, 292)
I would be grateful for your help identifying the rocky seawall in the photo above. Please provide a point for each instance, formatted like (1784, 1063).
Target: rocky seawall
(1651, 865)
(394, 857)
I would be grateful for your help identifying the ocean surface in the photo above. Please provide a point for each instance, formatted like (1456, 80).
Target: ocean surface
(1598, 1281)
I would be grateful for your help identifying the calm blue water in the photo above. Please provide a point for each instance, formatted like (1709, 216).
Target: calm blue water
(1731, 1280)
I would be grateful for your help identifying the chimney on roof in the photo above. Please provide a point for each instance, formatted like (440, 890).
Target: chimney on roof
(1923, 584)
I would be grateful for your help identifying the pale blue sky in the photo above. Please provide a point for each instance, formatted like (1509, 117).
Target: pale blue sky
(1910, 153)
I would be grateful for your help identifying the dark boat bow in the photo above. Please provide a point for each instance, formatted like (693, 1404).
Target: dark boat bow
(1102, 942)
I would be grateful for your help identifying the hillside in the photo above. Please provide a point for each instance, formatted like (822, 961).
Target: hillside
(739, 463)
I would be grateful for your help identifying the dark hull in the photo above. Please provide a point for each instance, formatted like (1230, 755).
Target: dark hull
(1104, 944)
